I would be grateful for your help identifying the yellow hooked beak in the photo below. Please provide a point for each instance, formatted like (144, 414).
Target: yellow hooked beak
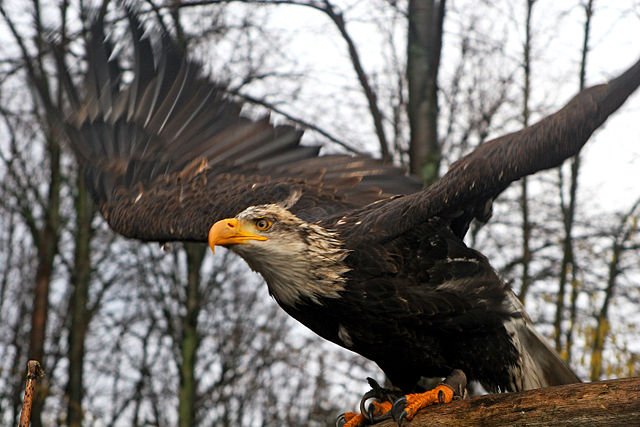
(230, 231)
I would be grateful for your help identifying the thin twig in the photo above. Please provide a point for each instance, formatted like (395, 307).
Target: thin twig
(297, 120)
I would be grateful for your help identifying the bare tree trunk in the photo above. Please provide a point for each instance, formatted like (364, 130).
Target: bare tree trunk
(524, 198)
(424, 43)
(622, 235)
(602, 326)
(49, 235)
(45, 234)
(47, 250)
(190, 340)
(80, 282)
(568, 214)
(16, 341)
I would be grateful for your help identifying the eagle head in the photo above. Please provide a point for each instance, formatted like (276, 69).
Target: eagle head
(257, 229)
(298, 259)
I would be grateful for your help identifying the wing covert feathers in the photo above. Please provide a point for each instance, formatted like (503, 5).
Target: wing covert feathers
(170, 153)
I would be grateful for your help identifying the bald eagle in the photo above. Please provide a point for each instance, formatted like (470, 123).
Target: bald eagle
(347, 245)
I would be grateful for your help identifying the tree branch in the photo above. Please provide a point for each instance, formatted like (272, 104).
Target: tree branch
(369, 92)
(337, 18)
(297, 120)
(34, 373)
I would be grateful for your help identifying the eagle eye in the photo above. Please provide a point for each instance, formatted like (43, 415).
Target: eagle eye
(263, 224)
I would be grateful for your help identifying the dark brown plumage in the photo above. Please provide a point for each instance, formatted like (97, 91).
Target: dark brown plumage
(170, 155)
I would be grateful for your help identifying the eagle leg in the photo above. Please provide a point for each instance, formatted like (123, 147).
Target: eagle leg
(407, 406)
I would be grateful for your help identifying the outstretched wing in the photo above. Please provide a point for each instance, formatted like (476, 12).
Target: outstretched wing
(169, 154)
(469, 186)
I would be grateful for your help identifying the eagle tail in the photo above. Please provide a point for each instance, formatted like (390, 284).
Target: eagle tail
(539, 364)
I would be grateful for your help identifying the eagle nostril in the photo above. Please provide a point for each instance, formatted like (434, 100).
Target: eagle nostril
(230, 224)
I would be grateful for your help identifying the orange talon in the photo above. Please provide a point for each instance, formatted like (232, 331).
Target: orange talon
(440, 394)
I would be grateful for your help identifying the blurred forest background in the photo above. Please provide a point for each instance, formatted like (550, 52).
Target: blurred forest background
(129, 334)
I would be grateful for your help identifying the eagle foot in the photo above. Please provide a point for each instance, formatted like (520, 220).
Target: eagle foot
(377, 411)
(406, 407)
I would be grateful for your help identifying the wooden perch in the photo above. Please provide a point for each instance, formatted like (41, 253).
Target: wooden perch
(604, 403)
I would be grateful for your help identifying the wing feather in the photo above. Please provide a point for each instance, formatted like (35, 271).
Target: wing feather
(169, 154)
(473, 181)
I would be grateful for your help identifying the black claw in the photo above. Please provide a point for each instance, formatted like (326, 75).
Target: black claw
(370, 413)
(402, 415)
(399, 404)
(375, 419)
(368, 395)
(440, 396)
(341, 420)
(382, 395)
(397, 409)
